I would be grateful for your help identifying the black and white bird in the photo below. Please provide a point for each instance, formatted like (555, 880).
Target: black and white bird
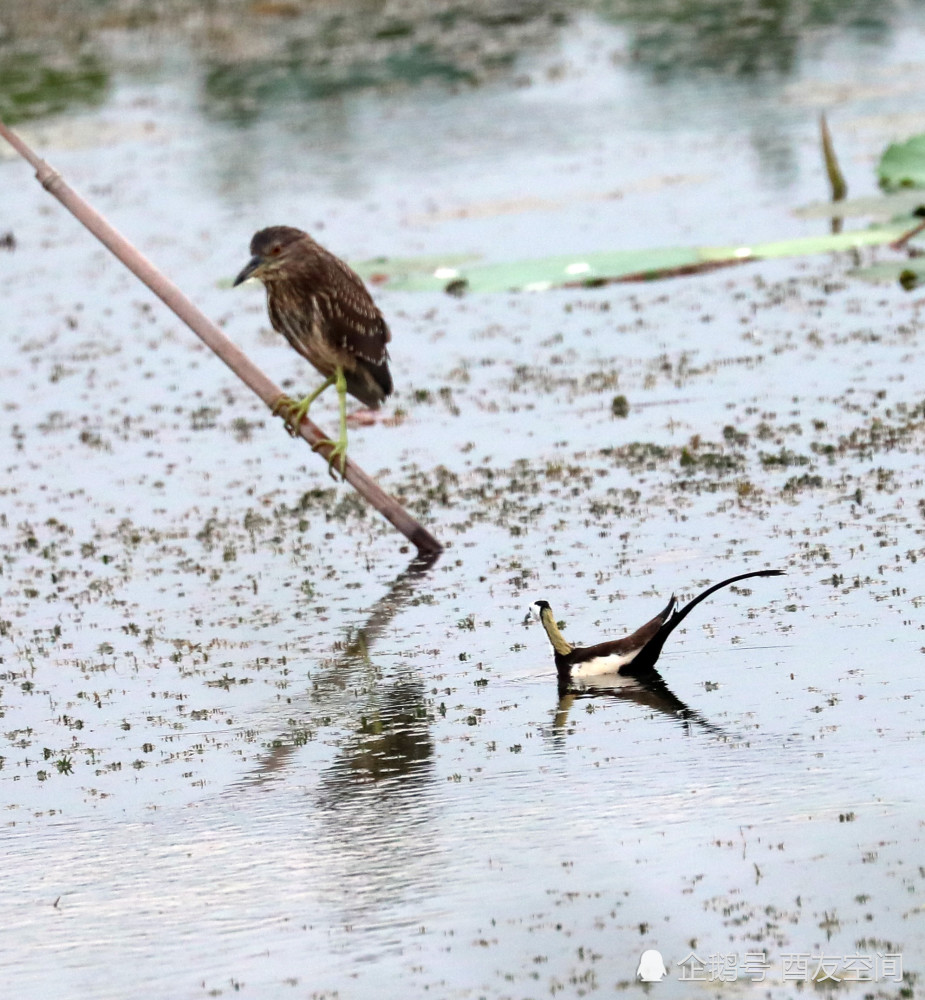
(636, 654)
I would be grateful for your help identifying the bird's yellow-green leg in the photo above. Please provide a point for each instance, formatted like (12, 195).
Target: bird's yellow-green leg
(338, 447)
(294, 411)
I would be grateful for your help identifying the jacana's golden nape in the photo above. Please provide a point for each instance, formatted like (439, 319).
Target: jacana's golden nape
(321, 306)
(634, 655)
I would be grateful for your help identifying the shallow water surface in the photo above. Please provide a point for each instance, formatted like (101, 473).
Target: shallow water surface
(248, 749)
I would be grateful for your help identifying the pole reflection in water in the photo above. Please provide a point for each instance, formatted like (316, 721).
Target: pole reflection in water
(339, 683)
(393, 744)
(375, 805)
(372, 826)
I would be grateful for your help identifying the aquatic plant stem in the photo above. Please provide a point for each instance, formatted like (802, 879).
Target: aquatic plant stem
(837, 181)
(900, 244)
(213, 337)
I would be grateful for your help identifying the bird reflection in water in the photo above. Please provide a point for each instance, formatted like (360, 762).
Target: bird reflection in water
(648, 690)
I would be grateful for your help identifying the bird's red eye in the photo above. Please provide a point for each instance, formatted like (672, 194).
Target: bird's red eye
(274, 251)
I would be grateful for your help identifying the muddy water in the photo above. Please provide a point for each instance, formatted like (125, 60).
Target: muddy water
(249, 750)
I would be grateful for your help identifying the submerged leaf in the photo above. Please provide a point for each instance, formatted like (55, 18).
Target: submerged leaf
(889, 272)
(882, 206)
(600, 268)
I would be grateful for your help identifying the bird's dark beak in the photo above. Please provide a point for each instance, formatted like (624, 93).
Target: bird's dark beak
(248, 271)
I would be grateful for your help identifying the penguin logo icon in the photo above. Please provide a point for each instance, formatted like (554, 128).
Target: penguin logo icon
(651, 967)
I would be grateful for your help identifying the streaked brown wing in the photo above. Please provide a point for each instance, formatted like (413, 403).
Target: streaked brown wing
(352, 319)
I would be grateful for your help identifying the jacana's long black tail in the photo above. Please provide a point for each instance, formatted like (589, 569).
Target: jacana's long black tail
(645, 661)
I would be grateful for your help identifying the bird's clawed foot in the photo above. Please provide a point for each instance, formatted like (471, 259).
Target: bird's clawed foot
(337, 453)
(293, 412)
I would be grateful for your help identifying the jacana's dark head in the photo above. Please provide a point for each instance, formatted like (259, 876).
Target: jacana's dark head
(272, 251)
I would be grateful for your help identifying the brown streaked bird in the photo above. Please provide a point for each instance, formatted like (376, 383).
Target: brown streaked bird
(321, 306)
(634, 655)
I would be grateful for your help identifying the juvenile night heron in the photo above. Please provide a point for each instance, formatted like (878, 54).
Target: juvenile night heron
(636, 654)
(321, 306)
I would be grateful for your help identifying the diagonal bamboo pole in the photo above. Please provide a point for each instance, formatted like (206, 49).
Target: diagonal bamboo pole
(210, 334)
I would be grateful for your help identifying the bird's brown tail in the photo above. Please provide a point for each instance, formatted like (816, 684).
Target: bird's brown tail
(370, 383)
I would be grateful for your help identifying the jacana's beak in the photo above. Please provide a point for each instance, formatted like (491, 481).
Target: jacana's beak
(532, 616)
(248, 271)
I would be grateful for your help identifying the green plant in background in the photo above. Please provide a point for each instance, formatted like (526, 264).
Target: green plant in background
(902, 165)
(31, 87)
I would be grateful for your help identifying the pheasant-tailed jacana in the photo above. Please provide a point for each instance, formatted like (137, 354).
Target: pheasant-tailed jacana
(635, 654)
